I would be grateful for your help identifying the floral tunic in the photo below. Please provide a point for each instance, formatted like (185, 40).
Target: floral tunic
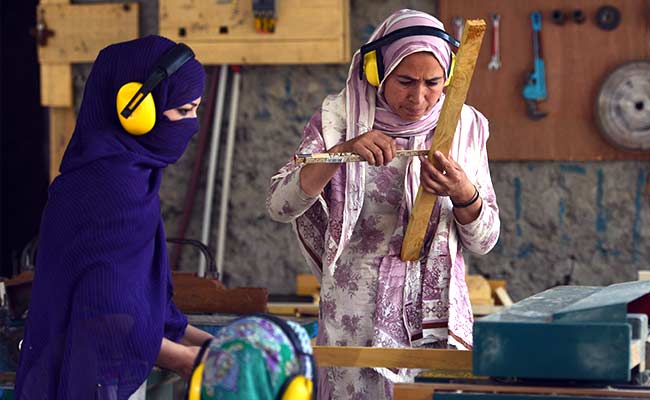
(365, 299)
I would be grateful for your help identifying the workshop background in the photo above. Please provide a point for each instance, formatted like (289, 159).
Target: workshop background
(566, 218)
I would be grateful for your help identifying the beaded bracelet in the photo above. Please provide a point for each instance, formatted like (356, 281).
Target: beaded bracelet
(468, 202)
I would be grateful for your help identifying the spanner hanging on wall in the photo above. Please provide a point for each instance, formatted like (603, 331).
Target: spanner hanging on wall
(495, 61)
(535, 87)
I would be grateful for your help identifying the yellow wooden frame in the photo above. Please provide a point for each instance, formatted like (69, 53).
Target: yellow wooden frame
(80, 31)
(307, 32)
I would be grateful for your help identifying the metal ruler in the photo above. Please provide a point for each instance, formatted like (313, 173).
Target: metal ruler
(332, 158)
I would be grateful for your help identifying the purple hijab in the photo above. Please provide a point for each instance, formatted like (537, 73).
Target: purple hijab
(101, 299)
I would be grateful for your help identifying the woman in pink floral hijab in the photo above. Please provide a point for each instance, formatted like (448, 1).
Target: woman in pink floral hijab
(350, 218)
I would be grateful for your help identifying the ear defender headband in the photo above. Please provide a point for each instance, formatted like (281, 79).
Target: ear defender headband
(135, 106)
(296, 386)
(371, 62)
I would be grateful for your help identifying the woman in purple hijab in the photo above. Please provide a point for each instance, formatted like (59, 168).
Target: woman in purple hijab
(350, 218)
(101, 312)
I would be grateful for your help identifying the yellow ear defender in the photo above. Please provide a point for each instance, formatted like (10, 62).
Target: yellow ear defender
(371, 61)
(299, 388)
(370, 68)
(450, 72)
(142, 118)
(194, 389)
(136, 110)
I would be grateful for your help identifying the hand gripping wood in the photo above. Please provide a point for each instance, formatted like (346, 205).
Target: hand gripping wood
(450, 114)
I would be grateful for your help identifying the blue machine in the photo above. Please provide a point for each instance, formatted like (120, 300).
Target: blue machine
(575, 333)
(566, 343)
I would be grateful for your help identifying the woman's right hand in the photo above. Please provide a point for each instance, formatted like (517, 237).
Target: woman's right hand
(177, 357)
(373, 146)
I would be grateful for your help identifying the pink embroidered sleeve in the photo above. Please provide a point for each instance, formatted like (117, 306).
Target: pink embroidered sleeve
(286, 200)
(480, 235)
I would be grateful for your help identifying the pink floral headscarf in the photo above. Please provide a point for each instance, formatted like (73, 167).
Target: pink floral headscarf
(360, 93)
(366, 107)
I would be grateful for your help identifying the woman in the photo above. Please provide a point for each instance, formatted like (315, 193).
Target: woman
(350, 218)
(101, 310)
(258, 357)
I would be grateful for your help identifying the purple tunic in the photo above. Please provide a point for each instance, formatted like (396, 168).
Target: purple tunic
(102, 295)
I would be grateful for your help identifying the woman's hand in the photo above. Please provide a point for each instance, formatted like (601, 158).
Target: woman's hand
(194, 336)
(177, 357)
(373, 146)
(451, 182)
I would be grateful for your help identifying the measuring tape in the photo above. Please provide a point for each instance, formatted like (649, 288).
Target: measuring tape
(334, 158)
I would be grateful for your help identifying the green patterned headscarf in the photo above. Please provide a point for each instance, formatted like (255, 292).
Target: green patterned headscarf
(251, 358)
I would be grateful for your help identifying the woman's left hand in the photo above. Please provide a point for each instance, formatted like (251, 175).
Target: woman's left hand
(451, 182)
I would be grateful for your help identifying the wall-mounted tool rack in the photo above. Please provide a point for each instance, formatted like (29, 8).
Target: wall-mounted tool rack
(224, 31)
(578, 57)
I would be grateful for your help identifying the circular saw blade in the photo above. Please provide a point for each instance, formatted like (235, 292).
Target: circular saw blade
(623, 106)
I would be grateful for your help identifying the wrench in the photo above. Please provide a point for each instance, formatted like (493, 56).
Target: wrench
(495, 61)
(535, 87)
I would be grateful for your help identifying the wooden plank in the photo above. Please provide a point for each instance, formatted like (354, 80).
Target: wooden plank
(574, 73)
(298, 309)
(495, 284)
(251, 52)
(307, 32)
(56, 85)
(422, 391)
(307, 285)
(503, 296)
(81, 30)
(449, 116)
(479, 289)
(363, 357)
(62, 122)
(637, 346)
(294, 309)
(203, 295)
(346, 30)
(479, 310)
(644, 275)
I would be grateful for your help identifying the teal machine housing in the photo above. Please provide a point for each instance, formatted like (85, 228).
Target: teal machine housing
(574, 333)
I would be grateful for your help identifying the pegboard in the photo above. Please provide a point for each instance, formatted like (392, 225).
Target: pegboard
(578, 57)
(223, 31)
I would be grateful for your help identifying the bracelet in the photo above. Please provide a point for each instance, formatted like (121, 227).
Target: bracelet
(468, 202)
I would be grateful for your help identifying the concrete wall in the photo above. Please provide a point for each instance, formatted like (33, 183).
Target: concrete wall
(562, 223)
